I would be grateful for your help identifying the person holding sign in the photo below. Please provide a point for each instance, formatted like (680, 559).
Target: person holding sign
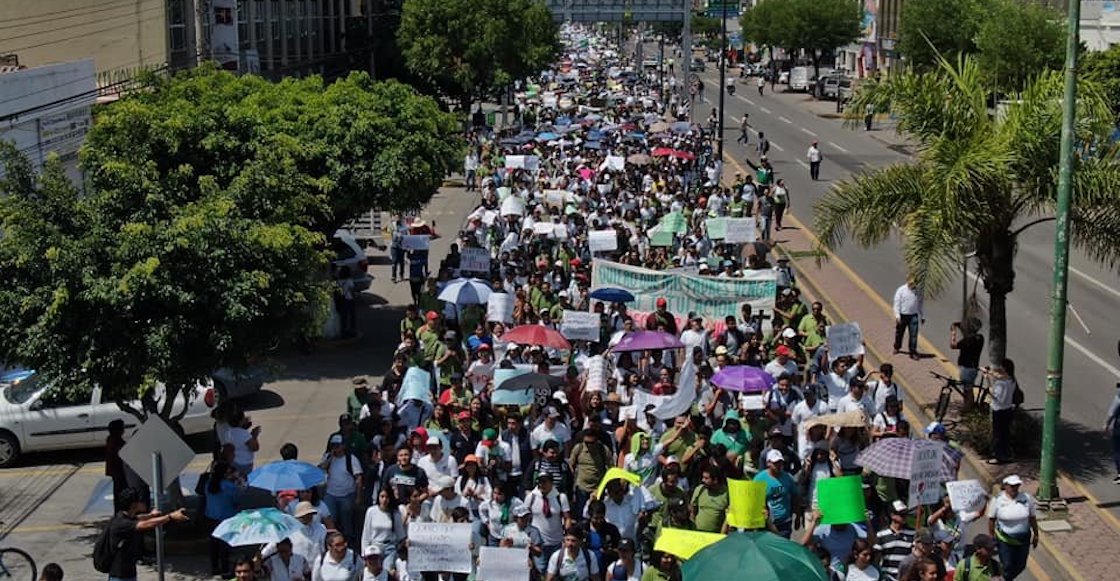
(783, 496)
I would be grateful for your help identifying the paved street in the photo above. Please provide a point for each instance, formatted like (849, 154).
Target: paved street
(791, 121)
(54, 503)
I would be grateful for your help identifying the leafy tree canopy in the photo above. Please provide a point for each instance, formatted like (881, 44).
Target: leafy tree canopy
(815, 26)
(765, 23)
(929, 27)
(1104, 68)
(1018, 41)
(467, 48)
(331, 151)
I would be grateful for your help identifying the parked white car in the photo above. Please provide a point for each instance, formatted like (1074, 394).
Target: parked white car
(350, 254)
(34, 418)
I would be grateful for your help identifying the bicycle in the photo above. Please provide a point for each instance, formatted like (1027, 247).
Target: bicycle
(17, 565)
(951, 385)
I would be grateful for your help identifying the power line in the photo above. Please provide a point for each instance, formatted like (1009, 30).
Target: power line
(84, 24)
(76, 12)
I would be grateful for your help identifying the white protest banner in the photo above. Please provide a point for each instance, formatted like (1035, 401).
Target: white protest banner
(499, 564)
(844, 339)
(415, 242)
(555, 197)
(596, 373)
(529, 162)
(615, 162)
(488, 217)
(602, 241)
(543, 229)
(967, 495)
(439, 547)
(499, 308)
(560, 231)
(578, 325)
(739, 230)
(925, 473)
(474, 260)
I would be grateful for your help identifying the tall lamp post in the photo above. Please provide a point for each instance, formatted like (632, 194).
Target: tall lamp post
(1047, 487)
(722, 81)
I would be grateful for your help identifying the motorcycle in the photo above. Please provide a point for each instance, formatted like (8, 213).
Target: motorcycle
(730, 89)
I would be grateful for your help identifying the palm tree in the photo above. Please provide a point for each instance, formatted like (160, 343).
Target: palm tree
(978, 179)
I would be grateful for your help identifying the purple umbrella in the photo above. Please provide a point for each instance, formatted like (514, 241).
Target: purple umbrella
(743, 378)
(651, 340)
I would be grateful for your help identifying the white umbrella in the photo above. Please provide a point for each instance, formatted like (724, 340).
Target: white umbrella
(466, 291)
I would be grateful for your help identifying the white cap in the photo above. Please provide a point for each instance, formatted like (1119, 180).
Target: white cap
(789, 333)
(561, 397)
(371, 551)
(434, 441)
(1013, 480)
(775, 456)
(672, 460)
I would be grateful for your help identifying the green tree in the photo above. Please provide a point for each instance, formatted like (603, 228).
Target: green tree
(345, 147)
(765, 23)
(132, 288)
(930, 27)
(469, 48)
(1018, 40)
(814, 26)
(1104, 68)
(978, 181)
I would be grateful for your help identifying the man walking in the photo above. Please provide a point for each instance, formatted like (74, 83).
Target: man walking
(907, 316)
(814, 155)
(744, 129)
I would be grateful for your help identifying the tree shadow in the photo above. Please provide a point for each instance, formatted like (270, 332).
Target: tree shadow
(369, 354)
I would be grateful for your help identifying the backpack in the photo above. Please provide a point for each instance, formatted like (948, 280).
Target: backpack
(586, 559)
(104, 550)
(1017, 397)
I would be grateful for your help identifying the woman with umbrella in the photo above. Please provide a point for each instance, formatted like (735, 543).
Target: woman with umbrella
(221, 503)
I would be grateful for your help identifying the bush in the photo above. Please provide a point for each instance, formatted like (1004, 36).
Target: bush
(974, 430)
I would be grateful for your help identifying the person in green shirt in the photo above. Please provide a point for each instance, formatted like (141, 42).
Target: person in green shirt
(666, 569)
(668, 494)
(732, 435)
(358, 396)
(411, 321)
(980, 566)
(680, 441)
(811, 328)
(710, 502)
(429, 300)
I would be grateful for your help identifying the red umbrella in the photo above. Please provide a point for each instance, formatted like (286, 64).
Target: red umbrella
(537, 335)
(661, 152)
(682, 154)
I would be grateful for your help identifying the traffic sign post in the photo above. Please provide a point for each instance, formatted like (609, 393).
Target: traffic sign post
(157, 490)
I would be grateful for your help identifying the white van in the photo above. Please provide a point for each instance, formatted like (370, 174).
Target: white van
(799, 78)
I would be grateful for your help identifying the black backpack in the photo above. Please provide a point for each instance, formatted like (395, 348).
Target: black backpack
(104, 550)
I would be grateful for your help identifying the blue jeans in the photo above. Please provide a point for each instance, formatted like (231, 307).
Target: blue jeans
(397, 255)
(546, 554)
(342, 509)
(1013, 558)
(389, 554)
(1116, 446)
(766, 219)
(907, 323)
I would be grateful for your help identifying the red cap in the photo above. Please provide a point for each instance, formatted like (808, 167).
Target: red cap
(422, 432)
(661, 302)
(575, 262)
(463, 416)
(782, 350)
(432, 315)
(484, 347)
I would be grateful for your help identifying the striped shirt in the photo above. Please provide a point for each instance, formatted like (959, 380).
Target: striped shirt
(893, 547)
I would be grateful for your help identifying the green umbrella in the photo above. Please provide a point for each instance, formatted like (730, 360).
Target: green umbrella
(761, 556)
(674, 222)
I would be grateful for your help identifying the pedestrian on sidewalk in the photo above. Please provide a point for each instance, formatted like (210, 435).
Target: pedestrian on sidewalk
(1012, 522)
(1112, 422)
(907, 316)
(970, 345)
(470, 167)
(1004, 386)
(814, 155)
(781, 202)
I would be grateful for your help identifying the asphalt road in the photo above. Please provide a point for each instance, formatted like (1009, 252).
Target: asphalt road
(791, 121)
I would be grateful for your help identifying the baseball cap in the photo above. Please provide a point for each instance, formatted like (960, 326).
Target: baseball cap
(1013, 480)
(434, 441)
(521, 510)
(661, 302)
(371, 551)
(470, 458)
(552, 412)
(336, 440)
(484, 347)
(782, 350)
(924, 537)
(789, 333)
(721, 350)
(672, 460)
(626, 544)
(463, 415)
(345, 418)
(899, 507)
(443, 481)
(935, 428)
(561, 397)
(305, 508)
(984, 540)
(422, 432)
(775, 456)
(432, 315)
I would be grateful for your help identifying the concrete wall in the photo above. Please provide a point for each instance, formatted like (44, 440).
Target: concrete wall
(116, 34)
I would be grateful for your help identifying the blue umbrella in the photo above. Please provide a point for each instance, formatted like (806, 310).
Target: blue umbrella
(463, 291)
(256, 527)
(612, 295)
(547, 136)
(594, 135)
(562, 121)
(592, 145)
(680, 127)
(287, 475)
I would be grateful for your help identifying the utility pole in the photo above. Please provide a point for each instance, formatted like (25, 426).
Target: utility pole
(1047, 486)
(722, 81)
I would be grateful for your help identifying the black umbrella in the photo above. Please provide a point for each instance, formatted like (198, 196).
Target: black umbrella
(532, 381)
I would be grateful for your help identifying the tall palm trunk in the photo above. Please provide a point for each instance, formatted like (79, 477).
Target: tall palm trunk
(998, 269)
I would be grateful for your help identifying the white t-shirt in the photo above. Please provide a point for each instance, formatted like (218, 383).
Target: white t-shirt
(551, 527)
(445, 466)
(1012, 514)
(850, 404)
(776, 369)
(567, 568)
(542, 434)
(239, 439)
(297, 568)
(868, 574)
(327, 569)
(340, 480)
(838, 385)
(635, 575)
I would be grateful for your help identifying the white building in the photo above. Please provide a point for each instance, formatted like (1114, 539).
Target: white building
(1100, 24)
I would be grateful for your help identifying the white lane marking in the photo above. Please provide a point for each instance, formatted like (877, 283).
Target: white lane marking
(764, 110)
(736, 119)
(833, 144)
(749, 102)
(1078, 346)
(778, 147)
(1094, 281)
(784, 118)
(809, 132)
(803, 164)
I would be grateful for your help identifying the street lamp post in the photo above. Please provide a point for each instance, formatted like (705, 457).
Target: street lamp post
(1047, 488)
(722, 82)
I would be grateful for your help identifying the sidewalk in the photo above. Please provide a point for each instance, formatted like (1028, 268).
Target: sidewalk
(1084, 550)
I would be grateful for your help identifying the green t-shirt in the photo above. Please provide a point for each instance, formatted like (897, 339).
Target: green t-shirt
(590, 464)
(678, 447)
(711, 509)
(813, 339)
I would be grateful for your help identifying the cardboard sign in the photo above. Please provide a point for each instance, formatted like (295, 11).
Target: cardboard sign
(717, 228)
(529, 162)
(500, 564)
(844, 339)
(841, 500)
(748, 504)
(925, 473)
(683, 543)
(614, 162)
(602, 241)
(555, 198)
(597, 373)
(560, 231)
(488, 217)
(967, 495)
(439, 547)
(475, 260)
(580, 325)
(415, 242)
(739, 230)
(417, 384)
(544, 228)
(499, 308)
